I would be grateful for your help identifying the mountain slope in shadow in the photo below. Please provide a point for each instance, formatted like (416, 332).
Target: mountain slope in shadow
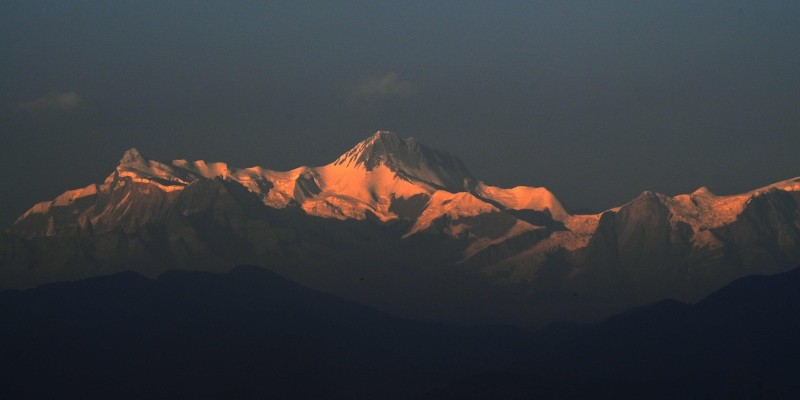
(248, 333)
(739, 342)
(251, 333)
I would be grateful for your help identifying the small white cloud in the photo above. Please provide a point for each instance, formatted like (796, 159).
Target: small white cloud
(389, 85)
(54, 101)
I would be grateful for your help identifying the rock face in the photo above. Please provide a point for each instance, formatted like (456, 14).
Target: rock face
(662, 255)
(397, 225)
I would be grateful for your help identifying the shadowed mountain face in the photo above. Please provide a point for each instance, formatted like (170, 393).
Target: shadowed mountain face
(247, 333)
(739, 342)
(407, 229)
(251, 333)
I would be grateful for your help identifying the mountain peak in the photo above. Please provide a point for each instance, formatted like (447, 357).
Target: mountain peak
(703, 191)
(389, 135)
(131, 156)
(408, 159)
(389, 138)
(383, 147)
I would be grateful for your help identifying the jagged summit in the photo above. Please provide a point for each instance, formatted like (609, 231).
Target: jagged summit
(135, 166)
(703, 191)
(131, 156)
(382, 147)
(410, 160)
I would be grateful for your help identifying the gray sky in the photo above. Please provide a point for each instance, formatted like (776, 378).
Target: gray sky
(597, 101)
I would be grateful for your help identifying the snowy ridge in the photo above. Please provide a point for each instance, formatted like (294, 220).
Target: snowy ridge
(580, 229)
(351, 191)
(453, 206)
(703, 209)
(789, 185)
(366, 180)
(141, 170)
(464, 216)
(380, 171)
(70, 196)
(39, 208)
(525, 198)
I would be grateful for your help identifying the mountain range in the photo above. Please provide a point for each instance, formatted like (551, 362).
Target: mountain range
(407, 229)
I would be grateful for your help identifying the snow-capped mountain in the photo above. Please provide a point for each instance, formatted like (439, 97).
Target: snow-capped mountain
(378, 177)
(409, 160)
(430, 239)
(658, 246)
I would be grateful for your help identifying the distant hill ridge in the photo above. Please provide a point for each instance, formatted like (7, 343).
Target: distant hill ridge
(251, 333)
